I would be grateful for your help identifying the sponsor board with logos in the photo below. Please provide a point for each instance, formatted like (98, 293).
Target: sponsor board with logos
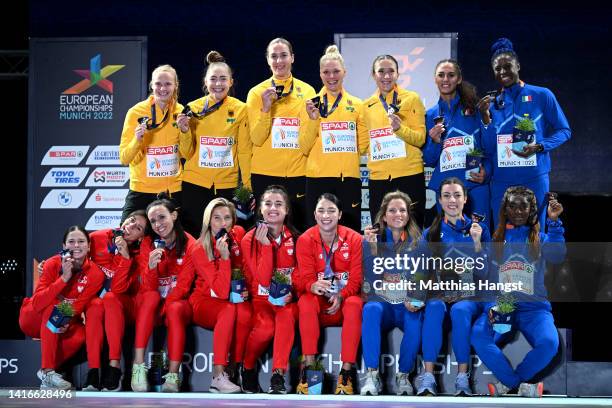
(108, 177)
(103, 219)
(107, 198)
(104, 155)
(64, 177)
(64, 155)
(64, 198)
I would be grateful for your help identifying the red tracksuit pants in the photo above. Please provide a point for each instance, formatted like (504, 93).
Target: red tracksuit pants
(312, 316)
(55, 348)
(269, 322)
(108, 316)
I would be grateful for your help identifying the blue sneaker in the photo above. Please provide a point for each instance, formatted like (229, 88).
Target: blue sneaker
(462, 385)
(426, 384)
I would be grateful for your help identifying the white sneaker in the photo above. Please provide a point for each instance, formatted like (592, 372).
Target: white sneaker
(222, 385)
(402, 384)
(53, 380)
(139, 378)
(172, 383)
(372, 384)
(498, 389)
(531, 390)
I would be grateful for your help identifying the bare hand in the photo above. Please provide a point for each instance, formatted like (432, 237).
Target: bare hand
(122, 247)
(320, 287)
(336, 302)
(370, 234)
(155, 257)
(483, 108)
(182, 121)
(478, 177)
(67, 265)
(222, 247)
(490, 314)
(140, 131)
(64, 328)
(411, 308)
(261, 234)
(395, 122)
(554, 210)
(245, 295)
(528, 150)
(288, 298)
(267, 98)
(476, 232)
(436, 132)
(312, 110)
(40, 267)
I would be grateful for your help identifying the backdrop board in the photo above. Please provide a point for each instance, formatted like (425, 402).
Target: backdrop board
(79, 92)
(417, 56)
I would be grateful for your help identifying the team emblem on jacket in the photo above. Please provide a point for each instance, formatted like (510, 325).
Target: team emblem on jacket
(80, 288)
(345, 255)
(289, 251)
(179, 261)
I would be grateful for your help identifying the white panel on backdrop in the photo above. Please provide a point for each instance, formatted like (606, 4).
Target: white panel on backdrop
(104, 155)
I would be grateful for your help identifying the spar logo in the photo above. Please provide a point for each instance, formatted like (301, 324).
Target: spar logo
(94, 76)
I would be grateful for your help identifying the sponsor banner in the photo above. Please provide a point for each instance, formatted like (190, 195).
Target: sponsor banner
(108, 177)
(162, 161)
(285, 133)
(216, 152)
(339, 137)
(103, 219)
(64, 155)
(64, 198)
(64, 177)
(106, 155)
(107, 198)
(365, 198)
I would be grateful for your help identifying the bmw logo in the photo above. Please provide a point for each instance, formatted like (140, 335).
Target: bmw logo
(64, 198)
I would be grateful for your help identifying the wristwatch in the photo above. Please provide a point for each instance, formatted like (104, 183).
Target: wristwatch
(539, 147)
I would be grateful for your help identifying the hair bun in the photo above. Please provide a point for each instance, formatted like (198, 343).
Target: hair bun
(214, 56)
(332, 49)
(502, 45)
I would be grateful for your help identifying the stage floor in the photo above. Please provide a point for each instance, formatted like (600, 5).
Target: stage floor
(142, 400)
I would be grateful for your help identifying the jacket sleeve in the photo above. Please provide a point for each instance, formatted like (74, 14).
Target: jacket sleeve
(412, 129)
(121, 279)
(130, 149)
(49, 286)
(186, 275)
(95, 280)
(353, 286)
(306, 264)
(558, 130)
(261, 265)
(245, 149)
(363, 135)
(553, 242)
(217, 273)
(309, 131)
(259, 122)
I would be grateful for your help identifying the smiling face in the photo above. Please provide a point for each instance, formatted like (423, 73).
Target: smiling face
(77, 242)
(517, 209)
(273, 208)
(221, 218)
(452, 199)
(280, 59)
(397, 216)
(134, 228)
(506, 70)
(385, 75)
(164, 86)
(162, 221)
(218, 81)
(447, 79)
(332, 75)
(327, 216)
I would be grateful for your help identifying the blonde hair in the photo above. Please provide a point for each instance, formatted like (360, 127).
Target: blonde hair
(280, 40)
(206, 234)
(169, 69)
(332, 54)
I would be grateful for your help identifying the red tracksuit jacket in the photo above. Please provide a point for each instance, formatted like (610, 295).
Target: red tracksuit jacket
(80, 289)
(346, 261)
(261, 260)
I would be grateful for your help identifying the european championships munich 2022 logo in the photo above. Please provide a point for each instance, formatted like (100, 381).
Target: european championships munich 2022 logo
(75, 104)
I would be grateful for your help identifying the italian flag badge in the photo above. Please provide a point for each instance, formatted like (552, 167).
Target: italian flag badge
(527, 98)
